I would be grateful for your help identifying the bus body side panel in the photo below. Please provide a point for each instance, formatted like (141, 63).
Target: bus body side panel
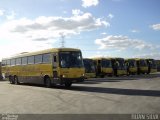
(107, 71)
(153, 70)
(90, 75)
(121, 72)
(143, 69)
(33, 73)
(133, 70)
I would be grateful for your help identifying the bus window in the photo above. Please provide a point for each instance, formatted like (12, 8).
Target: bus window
(18, 61)
(8, 62)
(31, 60)
(4, 62)
(13, 62)
(24, 61)
(71, 59)
(38, 59)
(46, 58)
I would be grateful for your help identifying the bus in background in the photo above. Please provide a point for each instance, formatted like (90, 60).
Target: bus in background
(62, 66)
(90, 70)
(152, 66)
(119, 66)
(142, 66)
(103, 66)
(131, 66)
(0, 71)
(158, 65)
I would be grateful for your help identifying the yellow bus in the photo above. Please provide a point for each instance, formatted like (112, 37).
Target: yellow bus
(103, 66)
(62, 66)
(90, 70)
(0, 71)
(152, 66)
(142, 66)
(158, 65)
(131, 66)
(119, 66)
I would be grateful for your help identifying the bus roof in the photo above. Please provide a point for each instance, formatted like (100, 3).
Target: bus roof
(100, 58)
(117, 58)
(130, 59)
(24, 54)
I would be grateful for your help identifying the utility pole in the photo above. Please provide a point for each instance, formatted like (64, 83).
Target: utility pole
(62, 40)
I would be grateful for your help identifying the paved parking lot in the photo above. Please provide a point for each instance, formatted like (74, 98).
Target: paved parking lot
(133, 94)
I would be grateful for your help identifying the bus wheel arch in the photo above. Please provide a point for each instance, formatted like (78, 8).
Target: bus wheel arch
(47, 81)
(68, 84)
(16, 80)
(11, 79)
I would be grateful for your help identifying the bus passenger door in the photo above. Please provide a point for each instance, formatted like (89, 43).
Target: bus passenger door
(55, 65)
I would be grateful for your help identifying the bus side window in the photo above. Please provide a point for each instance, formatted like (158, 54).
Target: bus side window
(4, 62)
(8, 62)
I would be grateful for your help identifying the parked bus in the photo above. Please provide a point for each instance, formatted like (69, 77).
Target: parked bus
(152, 66)
(62, 66)
(158, 65)
(0, 71)
(90, 69)
(119, 66)
(103, 66)
(131, 66)
(142, 66)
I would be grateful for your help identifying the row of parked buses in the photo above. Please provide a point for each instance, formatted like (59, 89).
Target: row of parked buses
(100, 67)
(65, 66)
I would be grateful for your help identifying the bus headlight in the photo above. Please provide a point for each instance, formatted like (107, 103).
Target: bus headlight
(63, 76)
(83, 75)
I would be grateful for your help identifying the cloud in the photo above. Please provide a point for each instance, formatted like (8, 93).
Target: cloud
(110, 16)
(104, 33)
(89, 3)
(11, 15)
(121, 43)
(135, 31)
(75, 24)
(22, 46)
(43, 31)
(2, 12)
(156, 27)
(76, 12)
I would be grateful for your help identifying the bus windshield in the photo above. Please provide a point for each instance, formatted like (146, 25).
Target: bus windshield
(89, 66)
(153, 64)
(121, 64)
(72, 59)
(106, 63)
(143, 63)
(132, 63)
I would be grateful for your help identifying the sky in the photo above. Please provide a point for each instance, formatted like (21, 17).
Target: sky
(108, 28)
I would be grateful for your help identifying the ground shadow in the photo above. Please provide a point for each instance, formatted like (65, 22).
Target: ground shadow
(118, 91)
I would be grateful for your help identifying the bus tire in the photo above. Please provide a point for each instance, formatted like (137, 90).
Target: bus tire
(68, 84)
(11, 80)
(16, 82)
(47, 82)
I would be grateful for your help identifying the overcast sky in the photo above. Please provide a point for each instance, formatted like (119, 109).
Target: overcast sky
(114, 28)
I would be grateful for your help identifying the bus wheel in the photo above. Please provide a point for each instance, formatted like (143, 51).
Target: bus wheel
(16, 80)
(68, 84)
(11, 80)
(47, 82)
